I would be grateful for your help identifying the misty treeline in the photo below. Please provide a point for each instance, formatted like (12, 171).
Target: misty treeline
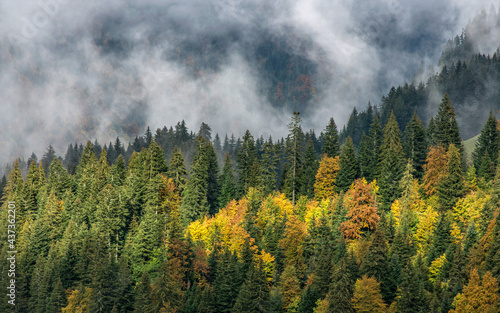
(403, 222)
(471, 79)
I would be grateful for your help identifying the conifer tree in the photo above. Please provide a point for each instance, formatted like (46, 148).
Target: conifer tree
(391, 163)
(415, 146)
(411, 296)
(246, 161)
(269, 167)
(376, 136)
(430, 133)
(228, 189)
(452, 186)
(177, 170)
(375, 264)
(486, 151)
(447, 130)
(295, 157)
(331, 140)
(349, 167)
(309, 173)
(365, 157)
(254, 293)
(341, 290)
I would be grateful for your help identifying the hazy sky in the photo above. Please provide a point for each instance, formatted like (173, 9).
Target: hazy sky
(60, 83)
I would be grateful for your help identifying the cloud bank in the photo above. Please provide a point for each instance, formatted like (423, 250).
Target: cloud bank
(80, 71)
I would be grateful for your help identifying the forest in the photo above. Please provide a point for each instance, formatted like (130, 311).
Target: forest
(182, 222)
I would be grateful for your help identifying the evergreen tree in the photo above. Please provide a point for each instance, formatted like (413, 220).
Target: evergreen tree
(365, 157)
(447, 130)
(246, 163)
(177, 170)
(228, 189)
(269, 167)
(349, 166)
(295, 156)
(331, 140)
(452, 186)
(414, 145)
(391, 163)
(309, 173)
(254, 294)
(487, 146)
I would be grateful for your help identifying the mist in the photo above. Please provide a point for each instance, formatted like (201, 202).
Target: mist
(72, 72)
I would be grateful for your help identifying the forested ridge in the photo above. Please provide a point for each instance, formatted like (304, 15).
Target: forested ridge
(182, 222)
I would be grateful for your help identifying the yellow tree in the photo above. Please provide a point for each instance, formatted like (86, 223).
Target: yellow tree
(362, 215)
(367, 297)
(425, 228)
(325, 178)
(477, 296)
(292, 243)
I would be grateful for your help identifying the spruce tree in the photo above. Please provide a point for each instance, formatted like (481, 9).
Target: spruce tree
(447, 130)
(228, 189)
(246, 161)
(269, 167)
(365, 157)
(308, 178)
(177, 170)
(295, 157)
(349, 167)
(415, 146)
(331, 140)
(452, 186)
(486, 151)
(391, 163)
(254, 293)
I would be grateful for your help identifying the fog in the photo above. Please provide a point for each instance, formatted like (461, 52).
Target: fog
(80, 71)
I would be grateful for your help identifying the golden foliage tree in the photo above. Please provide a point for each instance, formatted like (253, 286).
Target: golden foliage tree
(367, 297)
(362, 215)
(324, 186)
(435, 169)
(478, 296)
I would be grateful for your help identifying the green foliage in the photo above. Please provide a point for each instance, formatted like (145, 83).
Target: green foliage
(349, 167)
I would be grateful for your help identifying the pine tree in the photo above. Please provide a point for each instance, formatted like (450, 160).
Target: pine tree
(376, 136)
(295, 157)
(254, 294)
(411, 296)
(452, 186)
(391, 163)
(331, 140)
(447, 130)
(269, 167)
(487, 146)
(349, 167)
(309, 173)
(246, 159)
(228, 189)
(365, 157)
(341, 290)
(177, 170)
(376, 264)
(415, 146)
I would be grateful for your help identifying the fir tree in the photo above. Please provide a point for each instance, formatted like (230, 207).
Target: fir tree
(414, 145)
(228, 189)
(452, 186)
(487, 146)
(331, 140)
(349, 167)
(447, 130)
(177, 170)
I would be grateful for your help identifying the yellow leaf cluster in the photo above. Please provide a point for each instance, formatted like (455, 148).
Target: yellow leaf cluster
(324, 186)
(425, 228)
(435, 268)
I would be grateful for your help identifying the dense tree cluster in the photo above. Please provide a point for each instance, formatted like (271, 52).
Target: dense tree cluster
(399, 222)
